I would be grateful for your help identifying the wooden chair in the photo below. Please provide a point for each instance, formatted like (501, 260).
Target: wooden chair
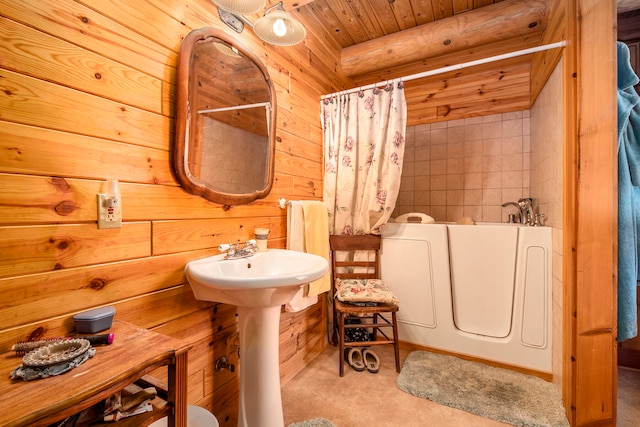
(371, 316)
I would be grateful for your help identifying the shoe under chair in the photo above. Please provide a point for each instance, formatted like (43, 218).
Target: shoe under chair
(361, 359)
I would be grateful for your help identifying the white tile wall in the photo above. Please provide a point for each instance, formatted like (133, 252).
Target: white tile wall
(466, 167)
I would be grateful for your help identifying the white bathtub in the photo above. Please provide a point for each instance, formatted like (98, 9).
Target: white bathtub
(480, 290)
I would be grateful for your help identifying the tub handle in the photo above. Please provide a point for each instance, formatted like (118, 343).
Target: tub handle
(416, 217)
(539, 220)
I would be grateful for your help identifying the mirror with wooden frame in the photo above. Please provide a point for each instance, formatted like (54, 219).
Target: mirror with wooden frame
(225, 120)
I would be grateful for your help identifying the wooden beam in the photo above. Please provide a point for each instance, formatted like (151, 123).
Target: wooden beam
(458, 33)
(597, 216)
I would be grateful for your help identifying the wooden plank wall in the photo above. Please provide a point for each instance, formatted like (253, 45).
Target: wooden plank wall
(87, 92)
(595, 373)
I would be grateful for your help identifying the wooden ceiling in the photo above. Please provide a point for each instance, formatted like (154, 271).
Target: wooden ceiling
(383, 39)
(351, 22)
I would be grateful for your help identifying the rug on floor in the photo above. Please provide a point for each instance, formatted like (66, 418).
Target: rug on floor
(487, 391)
(316, 422)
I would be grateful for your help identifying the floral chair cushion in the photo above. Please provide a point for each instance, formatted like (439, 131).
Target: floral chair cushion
(364, 291)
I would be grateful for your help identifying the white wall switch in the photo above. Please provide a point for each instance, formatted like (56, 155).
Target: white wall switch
(109, 211)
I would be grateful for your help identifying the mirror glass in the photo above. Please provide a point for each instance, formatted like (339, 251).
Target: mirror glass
(225, 120)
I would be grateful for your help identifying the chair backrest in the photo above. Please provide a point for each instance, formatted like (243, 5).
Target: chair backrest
(345, 267)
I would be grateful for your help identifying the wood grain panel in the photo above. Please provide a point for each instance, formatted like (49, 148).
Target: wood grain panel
(292, 123)
(34, 249)
(297, 166)
(28, 51)
(160, 307)
(161, 202)
(569, 212)
(31, 101)
(543, 63)
(35, 199)
(457, 111)
(596, 236)
(146, 311)
(28, 199)
(152, 23)
(72, 289)
(305, 188)
(327, 28)
(510, 44)
(69, 21)
(180, 236)
(597, 406)
(472, 87)
(292, 144)
(36, 151)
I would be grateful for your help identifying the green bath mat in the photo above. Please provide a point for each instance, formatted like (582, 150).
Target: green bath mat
(487, 391)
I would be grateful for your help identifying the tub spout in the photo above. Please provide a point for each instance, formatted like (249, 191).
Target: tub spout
(519, 216)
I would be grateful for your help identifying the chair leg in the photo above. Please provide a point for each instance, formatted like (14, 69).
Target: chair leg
(396, 345)
(341, 341)
(374, 332)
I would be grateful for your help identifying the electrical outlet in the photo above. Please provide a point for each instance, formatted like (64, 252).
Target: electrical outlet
(109, 211)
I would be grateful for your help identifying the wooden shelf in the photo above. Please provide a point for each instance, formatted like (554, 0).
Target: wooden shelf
(134, 353)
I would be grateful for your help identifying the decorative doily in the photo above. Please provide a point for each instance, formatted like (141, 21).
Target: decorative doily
(28, 373)
(58, 352)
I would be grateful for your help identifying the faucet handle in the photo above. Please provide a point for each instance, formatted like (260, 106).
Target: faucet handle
(539, 220)
(228, 247)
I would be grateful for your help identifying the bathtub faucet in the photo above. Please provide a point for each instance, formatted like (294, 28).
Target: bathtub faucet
(525, 210)
(526, 207)
(518, 217)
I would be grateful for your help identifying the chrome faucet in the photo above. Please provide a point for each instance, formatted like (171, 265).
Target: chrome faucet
(235, 251)
(517, 218)
(526, 209)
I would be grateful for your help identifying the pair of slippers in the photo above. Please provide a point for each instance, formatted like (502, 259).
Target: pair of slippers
(360, 360)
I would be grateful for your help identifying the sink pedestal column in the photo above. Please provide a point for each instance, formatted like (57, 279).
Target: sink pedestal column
(260, 395)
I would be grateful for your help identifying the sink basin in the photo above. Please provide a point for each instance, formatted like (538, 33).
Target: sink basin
(258, 286)
(265, 279)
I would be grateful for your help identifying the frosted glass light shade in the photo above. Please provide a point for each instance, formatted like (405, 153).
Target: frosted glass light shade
(264, 28)
(242, 7)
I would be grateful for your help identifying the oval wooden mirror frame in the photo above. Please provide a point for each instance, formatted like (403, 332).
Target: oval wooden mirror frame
(210, 57)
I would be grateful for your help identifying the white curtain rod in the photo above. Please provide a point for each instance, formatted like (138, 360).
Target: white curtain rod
(237, 107)
(454, 67)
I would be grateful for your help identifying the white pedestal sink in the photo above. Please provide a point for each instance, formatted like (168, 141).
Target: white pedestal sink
(258, 286)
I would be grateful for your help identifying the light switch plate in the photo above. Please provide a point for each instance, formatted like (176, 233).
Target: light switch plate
(109, 217)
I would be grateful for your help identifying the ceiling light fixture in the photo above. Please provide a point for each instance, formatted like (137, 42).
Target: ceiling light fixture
(275, 27)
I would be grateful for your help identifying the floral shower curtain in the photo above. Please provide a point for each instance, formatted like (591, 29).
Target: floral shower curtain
(364, 140)
(363, 136)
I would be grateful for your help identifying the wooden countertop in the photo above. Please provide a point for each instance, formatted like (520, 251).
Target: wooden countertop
(135, 352)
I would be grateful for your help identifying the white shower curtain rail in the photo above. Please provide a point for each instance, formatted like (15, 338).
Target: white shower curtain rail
(454, 67)
(237, 107)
